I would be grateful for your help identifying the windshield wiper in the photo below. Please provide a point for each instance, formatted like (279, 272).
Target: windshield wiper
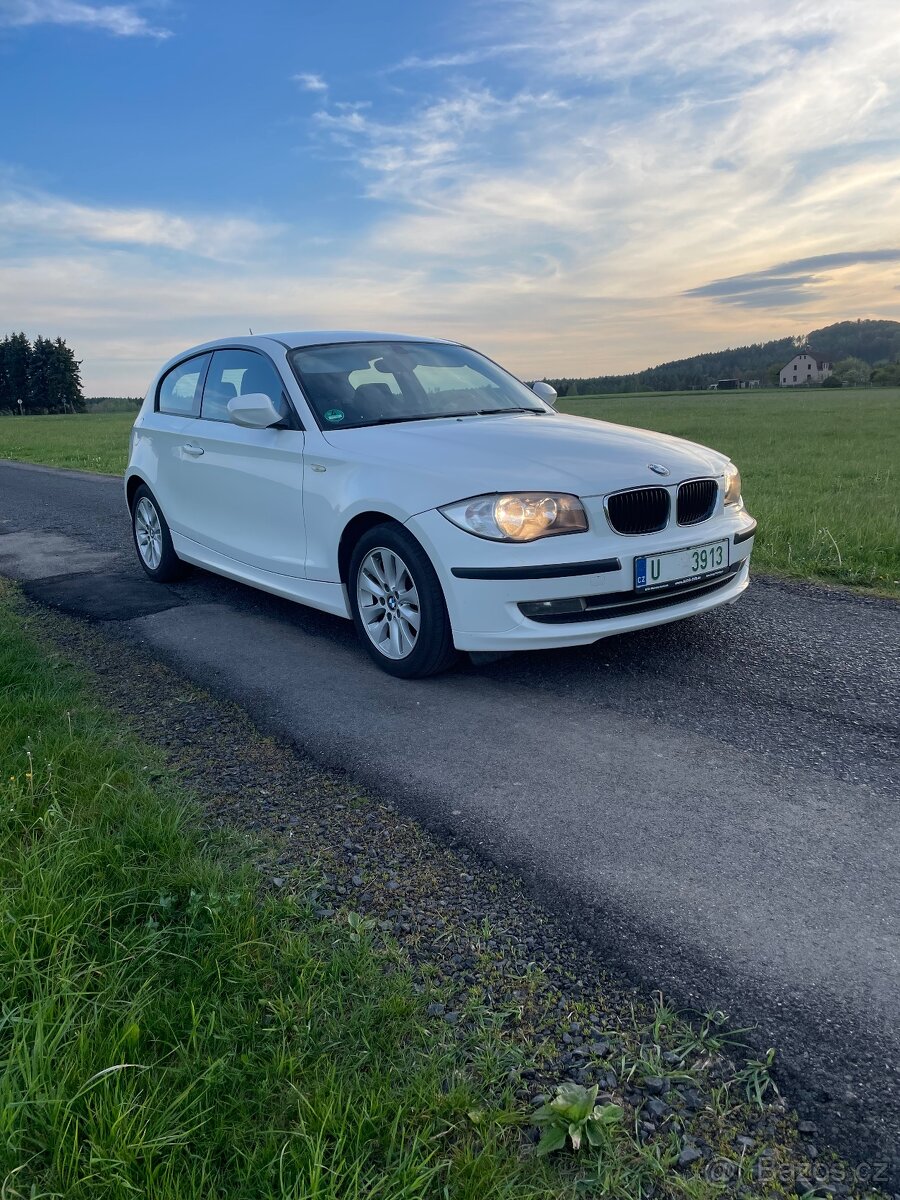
(476, 412)
(486, 412)
(416, 417)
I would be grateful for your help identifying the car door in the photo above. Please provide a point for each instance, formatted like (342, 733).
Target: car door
(241, 490)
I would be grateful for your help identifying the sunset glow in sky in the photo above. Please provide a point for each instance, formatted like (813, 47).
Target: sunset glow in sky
(574, 186)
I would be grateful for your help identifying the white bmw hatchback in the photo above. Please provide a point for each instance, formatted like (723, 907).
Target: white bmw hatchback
(417, 488)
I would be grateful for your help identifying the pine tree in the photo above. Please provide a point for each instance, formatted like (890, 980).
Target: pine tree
(17, 357)
(6, 403)
(66, 378)
(56, 378)
(40, 364)
(45, 377)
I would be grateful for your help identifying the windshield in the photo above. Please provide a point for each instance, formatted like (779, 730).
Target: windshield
(373, 383)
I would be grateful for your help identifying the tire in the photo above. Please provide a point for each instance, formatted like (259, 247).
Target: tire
(392, 585)
(152, 539)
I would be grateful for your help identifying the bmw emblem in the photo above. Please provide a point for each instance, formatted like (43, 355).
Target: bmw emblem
(658, 469)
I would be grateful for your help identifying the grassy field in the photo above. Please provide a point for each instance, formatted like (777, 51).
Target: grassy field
(90, 442)
(167, 1032)
(819, 467)
(821, 471)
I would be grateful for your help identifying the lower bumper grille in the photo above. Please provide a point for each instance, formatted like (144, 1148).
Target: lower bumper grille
(626, 604)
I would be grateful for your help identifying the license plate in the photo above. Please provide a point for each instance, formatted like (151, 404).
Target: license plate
(680, 566)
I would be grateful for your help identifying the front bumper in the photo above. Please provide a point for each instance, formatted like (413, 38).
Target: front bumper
(485, 583)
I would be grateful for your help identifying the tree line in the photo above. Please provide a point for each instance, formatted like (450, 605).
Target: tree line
(875, 344)
(855, 372)
(42, 376)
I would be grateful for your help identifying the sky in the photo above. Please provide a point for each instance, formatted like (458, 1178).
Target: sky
(576, 187)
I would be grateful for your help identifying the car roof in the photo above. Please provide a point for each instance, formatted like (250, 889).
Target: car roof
(321, 337)
(311, 337)
(296, 339)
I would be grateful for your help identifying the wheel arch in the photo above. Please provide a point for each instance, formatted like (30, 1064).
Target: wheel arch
(433, 648)
(353, 531)
(132, 483)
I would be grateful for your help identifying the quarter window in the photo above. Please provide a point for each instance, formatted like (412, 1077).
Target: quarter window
(179, 391)
(238, 373)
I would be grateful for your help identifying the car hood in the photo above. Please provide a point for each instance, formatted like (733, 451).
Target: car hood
(451, 458)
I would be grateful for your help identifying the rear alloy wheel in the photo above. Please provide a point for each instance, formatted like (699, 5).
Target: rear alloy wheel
(398, 605)
(152, 539)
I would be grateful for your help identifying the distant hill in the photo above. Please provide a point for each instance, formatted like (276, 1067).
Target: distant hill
(872, 341)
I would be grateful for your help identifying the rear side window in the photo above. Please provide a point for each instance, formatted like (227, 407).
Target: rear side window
(238, 373)
(179, 391)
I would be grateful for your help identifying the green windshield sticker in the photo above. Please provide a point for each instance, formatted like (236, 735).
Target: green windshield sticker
(334, 414)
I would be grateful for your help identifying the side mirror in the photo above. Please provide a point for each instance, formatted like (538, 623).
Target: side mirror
(256, 410)
(545, 392)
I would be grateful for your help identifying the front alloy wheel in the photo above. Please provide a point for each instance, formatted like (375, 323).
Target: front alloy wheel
(398, 605)
(388, 603)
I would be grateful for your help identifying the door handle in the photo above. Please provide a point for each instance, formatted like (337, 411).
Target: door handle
(193, 451)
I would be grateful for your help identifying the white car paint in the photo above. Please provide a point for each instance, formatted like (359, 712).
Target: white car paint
(244, 497)
(269, 506)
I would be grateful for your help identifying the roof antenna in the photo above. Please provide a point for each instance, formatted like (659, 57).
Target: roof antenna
(251, 331)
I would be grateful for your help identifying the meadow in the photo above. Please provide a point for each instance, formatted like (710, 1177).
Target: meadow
(95, 442)
(820, 467)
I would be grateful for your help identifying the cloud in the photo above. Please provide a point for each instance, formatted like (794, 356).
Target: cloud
(847, 258)
(797, 282)
(672, 143)
(122, 20)
(683, 175)
(41, 219)
(764, 292)
(441, 141)
(309, 82)
(464, 58)
(670, 42)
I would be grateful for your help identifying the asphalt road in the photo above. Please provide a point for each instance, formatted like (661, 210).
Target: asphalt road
(714, 802)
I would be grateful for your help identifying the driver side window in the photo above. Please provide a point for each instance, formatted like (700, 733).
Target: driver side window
(237, 373)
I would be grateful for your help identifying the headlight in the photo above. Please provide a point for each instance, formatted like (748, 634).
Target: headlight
(732, 484)
(518, 517)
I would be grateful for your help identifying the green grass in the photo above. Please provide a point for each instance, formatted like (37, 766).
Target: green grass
(819, 466)
(820, 471)
(89, 442)
(166, 1032)
(169, 1030)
